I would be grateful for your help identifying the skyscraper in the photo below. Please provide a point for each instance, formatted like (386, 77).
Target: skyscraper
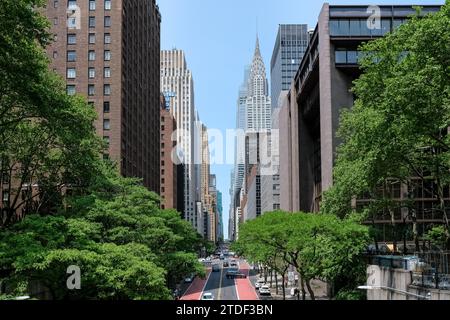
(290, 47)
(177, 78)
(108, 53)
(256, 128)
(258, 102)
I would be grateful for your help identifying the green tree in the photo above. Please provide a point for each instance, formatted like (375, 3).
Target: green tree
(319, 246)
(126, 247)
(397, 130)
(47, 138)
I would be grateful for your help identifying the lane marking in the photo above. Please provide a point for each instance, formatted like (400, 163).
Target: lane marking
(203, 290)
(219, 295)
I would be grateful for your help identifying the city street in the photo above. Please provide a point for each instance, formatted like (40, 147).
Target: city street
(222, 288)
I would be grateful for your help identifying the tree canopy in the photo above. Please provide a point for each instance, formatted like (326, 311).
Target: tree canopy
(319, 246)
(397, 130)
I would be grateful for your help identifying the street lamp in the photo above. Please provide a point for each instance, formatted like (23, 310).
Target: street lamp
(427, 297)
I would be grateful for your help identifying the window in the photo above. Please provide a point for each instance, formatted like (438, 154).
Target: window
(91, 55)
(71, 39)
(72, 4)
(55, 4)
(107, 21)
(71, 22)
(91, 104)
(55, 21)
(107, 4)
(91, 22)
(106, 124)
(71, 56)
(55, 54)
(91, 90)
(341, 57)
(107, 38)
(5, 196)
(91, 38)
(107, 72)
(355, 27)
(107, 140)
(91, 73)
(106, 106)
(91, 5)
(70, 89)
(107, 89)
(107, 55)
(71, 73)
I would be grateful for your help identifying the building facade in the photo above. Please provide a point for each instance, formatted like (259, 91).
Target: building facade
(177, 79)
(170, 187)
(108, 51)
(311, 109)
(290, 47)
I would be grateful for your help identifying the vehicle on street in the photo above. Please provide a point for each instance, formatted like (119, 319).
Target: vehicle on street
(189, 278)
(226, 264)
(215, 268)
(207, 296)
(222, 257)
(232, 274)
(259, 283)
(264, 290)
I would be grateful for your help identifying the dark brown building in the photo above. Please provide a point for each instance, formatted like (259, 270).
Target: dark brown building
(309, 117)
(109, 51)
(169, 169)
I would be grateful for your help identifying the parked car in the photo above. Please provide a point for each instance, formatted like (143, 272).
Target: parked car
(232, 274)
(215, 268)
(189, 278)
(259, 283)
(226, 264)
(207, 296)
(264, 290)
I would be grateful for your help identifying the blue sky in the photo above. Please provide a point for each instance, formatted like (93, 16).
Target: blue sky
(218, 37)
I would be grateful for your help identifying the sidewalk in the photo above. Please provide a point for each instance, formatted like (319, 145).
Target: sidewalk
(319, 287)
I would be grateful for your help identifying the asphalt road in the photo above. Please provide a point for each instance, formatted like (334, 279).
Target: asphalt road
(221, 287)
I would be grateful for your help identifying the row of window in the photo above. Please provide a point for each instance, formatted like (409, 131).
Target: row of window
(72, 73)
(71, 89)
(72, 38)
(72, 22)
(363, 27)
(72, 55)
(72, 4)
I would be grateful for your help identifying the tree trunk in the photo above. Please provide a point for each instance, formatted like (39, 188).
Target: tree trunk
(283, 286)
(271, 277)
(310, 290)
(302, 281)
(394, 235)
(276, 282)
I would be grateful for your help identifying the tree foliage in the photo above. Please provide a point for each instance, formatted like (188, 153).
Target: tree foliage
(319, 246)
(397, 130)
(125, 246)
(64, 205)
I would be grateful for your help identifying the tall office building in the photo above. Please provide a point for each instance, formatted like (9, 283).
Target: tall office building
(256, 127)
(108, 51)
(205, 197)
(258, 102)
(176, 78)
(170, 186)
(212, 221)
(290, 47)
(309, 116)
(219, 216)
